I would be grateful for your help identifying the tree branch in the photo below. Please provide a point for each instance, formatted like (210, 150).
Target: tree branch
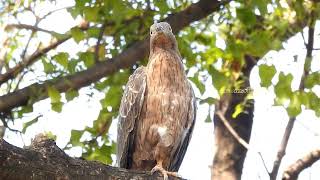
(45, 160)
(125, 59)
(292, 172)
(282, 149)
(238, 138)
(288, 130)
(97, 47)
(232, 131)
(12, 72)
(30, 27)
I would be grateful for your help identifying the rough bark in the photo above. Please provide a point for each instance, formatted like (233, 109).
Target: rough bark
(293, 171)
(127, 58)
(44, 160)
(230, 154)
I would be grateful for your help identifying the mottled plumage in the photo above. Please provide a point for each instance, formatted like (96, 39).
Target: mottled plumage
(157, 111)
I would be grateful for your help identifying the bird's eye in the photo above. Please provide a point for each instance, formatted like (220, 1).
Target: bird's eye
(150, 32)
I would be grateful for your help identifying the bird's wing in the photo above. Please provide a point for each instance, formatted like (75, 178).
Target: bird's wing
(180, 151)
(130, 107)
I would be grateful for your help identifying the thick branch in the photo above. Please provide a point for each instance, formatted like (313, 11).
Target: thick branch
(44, 160)
(125, 59)
(294, 170)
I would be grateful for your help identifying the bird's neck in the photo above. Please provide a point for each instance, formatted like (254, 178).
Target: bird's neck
(165, 69)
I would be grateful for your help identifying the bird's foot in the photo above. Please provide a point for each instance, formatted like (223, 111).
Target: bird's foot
(164, 172)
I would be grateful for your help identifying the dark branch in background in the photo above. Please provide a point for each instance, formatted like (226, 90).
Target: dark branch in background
(97, 48)
(43, 159)
(292, 172)
(125, 59)
(288, 130)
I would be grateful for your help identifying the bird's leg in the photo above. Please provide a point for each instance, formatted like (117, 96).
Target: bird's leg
(165, 173)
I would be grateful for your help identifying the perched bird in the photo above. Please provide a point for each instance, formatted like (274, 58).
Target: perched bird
(158, 109)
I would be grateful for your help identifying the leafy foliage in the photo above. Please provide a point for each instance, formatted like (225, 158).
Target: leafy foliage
(215, 47)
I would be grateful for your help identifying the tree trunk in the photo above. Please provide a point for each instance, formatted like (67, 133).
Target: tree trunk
(230, 155)
(44, 160)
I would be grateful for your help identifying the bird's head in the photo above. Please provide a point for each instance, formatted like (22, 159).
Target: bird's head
(161, 36)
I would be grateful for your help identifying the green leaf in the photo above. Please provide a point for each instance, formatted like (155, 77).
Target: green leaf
(91, 13)
(50, 135)
(312, 101)
(75, 137)
(62, 59)
(283, 88)
(87, 58)
(25, 109)
(294, 108)
(71, 94)
(48, 67)
(57, 106)
(262, 6)
(246, 16)
(93, 32)
(238, 109)
(112, 97)
(72, 65)
(261, 39)
(162, 5)
(209, 100)
(312, 80)
(219, 80)
(208, 119)
(77, 34)
(266, 74)
(198, 83)
(29, 123)
(53, 94)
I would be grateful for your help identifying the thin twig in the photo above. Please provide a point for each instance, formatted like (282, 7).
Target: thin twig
(304, 40)
(31, 27)
(264, 163)
(23, 55)
(238, 138)
(53, 11)
(5, 124)
(231, 130)
(97, 48)
(19, 80)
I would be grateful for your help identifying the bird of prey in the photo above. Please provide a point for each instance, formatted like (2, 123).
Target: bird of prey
(158, 109)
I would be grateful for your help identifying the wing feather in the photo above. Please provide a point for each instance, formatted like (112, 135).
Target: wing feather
(181, 149)
(130, 107)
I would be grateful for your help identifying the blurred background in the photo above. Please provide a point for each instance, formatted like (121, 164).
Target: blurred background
(254, 66)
